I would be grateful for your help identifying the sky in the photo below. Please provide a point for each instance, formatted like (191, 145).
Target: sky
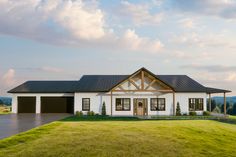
(65, 39)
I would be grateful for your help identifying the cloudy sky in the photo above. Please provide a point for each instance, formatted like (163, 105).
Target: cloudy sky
(64, 39)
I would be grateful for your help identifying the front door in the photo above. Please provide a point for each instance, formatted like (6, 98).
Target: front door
(140, 107)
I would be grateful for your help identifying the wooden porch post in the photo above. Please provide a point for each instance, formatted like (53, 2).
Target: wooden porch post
(210, 102)
(142, 80)
(111, 103)
(173, 103)
(224, 103)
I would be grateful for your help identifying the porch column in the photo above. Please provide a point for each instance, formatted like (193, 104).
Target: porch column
(111, 103)
(14, 104)
(210, 102)
(224, 103)
(173, 103)
(38, 104)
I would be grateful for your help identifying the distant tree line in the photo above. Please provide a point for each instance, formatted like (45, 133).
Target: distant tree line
(219, 108)
(1, 102)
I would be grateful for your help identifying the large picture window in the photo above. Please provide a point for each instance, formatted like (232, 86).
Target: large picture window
(85, 104)
(196, 104)
(158, 104)
(122, 104)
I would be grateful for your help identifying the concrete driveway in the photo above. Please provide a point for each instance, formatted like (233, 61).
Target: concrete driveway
(12, 124)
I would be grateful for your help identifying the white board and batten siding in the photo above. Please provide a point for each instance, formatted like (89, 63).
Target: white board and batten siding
(97, 99)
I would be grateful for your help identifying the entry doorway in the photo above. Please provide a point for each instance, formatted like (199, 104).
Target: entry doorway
(140, 107)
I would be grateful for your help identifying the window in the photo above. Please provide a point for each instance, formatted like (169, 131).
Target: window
(196, 104)
(122, 104)
(85, 104)
(158, 104)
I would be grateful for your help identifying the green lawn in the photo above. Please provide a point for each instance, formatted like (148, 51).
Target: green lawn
(125, 138)
(232, 117)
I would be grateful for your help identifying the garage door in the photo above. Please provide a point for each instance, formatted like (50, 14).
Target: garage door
(26, 104)
(57, 104)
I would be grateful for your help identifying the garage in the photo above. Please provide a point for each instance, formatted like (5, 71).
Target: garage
(57, 104)
(26, 104)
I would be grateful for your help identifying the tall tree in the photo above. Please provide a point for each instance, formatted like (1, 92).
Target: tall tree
(222, 107)
(178, 110)
(234, 109)
(103, 109)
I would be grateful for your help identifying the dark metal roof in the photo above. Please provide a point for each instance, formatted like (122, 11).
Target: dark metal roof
(103, 83)
(210, 90)
(98, 83)
(182, 83)
(46, 87)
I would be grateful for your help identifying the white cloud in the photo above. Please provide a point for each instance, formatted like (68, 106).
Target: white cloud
(70, 22)
(132, 41)
(187, 23)
(214, 40)
(36, 18)
(140, 14)
(51, 69)
(9, 78)
(231, 77)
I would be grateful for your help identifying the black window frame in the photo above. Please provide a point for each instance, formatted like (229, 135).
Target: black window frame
(157, 108)
(83, 109)
(122, 104)
(196, 104)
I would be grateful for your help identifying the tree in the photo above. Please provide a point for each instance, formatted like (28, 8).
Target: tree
(216, 109)
(103, 109)
(234, 109)
(1, 102)
(213, 105)
(178, 111)
(227, 107)
(230, 109)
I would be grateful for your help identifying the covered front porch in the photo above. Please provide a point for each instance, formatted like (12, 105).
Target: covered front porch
(211, 91)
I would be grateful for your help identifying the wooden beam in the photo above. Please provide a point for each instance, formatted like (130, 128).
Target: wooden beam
(153, 81)
(111, 103)
(142, 80)
(131, 81)
(210, 102)
(121, 88)
(173, 103)
(224, 103)
(143, 90)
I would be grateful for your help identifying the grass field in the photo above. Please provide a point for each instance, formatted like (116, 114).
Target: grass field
(125, 138)
(4, 109)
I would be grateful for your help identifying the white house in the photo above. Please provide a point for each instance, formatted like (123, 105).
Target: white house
(141, 93)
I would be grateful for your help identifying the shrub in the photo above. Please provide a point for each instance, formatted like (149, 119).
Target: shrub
(192, 113)
(206, 113)
(185, 114)
(90, 113)
(103, 109)
(79, 113)
(178, 111)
